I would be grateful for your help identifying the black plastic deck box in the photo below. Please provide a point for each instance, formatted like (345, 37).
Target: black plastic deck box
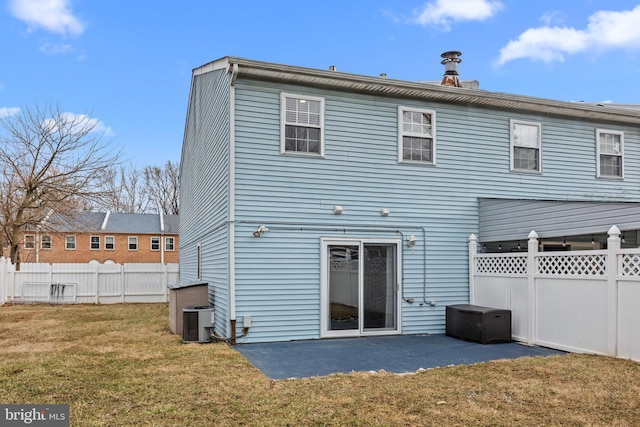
(478, 324)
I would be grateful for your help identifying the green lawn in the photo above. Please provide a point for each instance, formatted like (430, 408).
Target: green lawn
(118, 365)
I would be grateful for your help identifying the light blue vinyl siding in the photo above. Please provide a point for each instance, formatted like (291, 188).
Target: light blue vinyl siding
(204, 190)
(277, 275)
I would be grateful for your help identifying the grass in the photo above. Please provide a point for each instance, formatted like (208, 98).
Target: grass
(118, 365)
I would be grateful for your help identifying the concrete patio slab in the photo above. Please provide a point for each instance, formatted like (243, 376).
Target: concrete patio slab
(396, 354)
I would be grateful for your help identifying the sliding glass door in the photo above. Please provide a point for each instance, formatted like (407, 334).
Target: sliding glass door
(360, 287)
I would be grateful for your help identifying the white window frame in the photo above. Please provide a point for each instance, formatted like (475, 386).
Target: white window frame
(512, 125)
(402, 133)
(106, 243)
(284, 123)
(158, 241)
(43, 240)
(67, 242)
(599, 155)
(91, 243)
(32, 241)
(325, 242)
(170, 247)
(132, 246)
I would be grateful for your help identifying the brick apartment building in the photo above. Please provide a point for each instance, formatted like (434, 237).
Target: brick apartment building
(105, 237)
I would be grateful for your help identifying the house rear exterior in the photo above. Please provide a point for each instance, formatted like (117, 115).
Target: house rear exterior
(322, 204)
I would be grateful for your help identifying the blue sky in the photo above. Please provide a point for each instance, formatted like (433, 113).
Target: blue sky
(128, 63)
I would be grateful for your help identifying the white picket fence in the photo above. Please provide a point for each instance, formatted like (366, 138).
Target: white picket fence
(580, 301)
(85, 283)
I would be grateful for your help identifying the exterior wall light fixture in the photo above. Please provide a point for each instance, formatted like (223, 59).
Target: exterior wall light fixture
(260, 231)
(411, 242)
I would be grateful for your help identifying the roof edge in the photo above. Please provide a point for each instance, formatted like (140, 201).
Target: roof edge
(419, 90)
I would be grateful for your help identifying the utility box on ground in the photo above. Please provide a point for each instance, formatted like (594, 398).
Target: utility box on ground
(479, 324)
(184, 295)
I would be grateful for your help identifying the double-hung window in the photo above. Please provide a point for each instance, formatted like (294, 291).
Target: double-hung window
(302, 122)
(169, 243)
(29, 241)
(70, 243)
(94, 243)
(155, 243)
(45, 242)
(109, 243)
(526, 143)
(416, 135)
(133, 243)
(610, 153)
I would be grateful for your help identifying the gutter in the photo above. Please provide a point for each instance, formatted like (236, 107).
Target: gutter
(416, 90)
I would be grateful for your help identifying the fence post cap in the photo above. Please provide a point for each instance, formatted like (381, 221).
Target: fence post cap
(533, 234)
(473, 238)
(614, 231)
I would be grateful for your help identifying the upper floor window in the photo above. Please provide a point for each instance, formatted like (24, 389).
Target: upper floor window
(70, 243)
(109, 243)
(169, 243)
(95, 243)
(29, 241)
(302, 119)
(416, 135)
(610, 144)
(526, 142)
(155, 243)
(45, 241)
(133, 243)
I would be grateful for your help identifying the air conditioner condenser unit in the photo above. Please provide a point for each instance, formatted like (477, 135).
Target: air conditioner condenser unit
(197, 323)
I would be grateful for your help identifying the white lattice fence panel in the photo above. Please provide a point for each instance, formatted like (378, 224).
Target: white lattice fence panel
(344, 265)
(501, 264)
(572, 265)
(630, 265)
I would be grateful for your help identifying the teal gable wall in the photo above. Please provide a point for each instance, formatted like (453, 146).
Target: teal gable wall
(277, 276)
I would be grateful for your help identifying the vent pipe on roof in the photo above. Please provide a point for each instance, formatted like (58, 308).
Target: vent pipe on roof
(332, 68)
(450, 62)
(106, 219)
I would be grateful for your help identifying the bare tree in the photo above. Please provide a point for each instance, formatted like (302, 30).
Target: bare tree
(163, 186)
(50, 161)
(125, 191)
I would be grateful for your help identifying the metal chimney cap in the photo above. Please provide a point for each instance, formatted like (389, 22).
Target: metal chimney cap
(451, 56)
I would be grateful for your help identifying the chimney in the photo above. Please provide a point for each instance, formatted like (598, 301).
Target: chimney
(450, 62)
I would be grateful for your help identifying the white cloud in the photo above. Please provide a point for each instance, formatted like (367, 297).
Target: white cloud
(9, 111)
(52, 15)
(605, 30)
(442, 13)
(82, 120)
(553, 17)
(55, 48)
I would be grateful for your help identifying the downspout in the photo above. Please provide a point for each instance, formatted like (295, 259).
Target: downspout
(232, 204)
(161, 238)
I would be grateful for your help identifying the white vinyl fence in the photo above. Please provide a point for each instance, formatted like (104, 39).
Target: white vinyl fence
(85, 283)
(579, 301)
